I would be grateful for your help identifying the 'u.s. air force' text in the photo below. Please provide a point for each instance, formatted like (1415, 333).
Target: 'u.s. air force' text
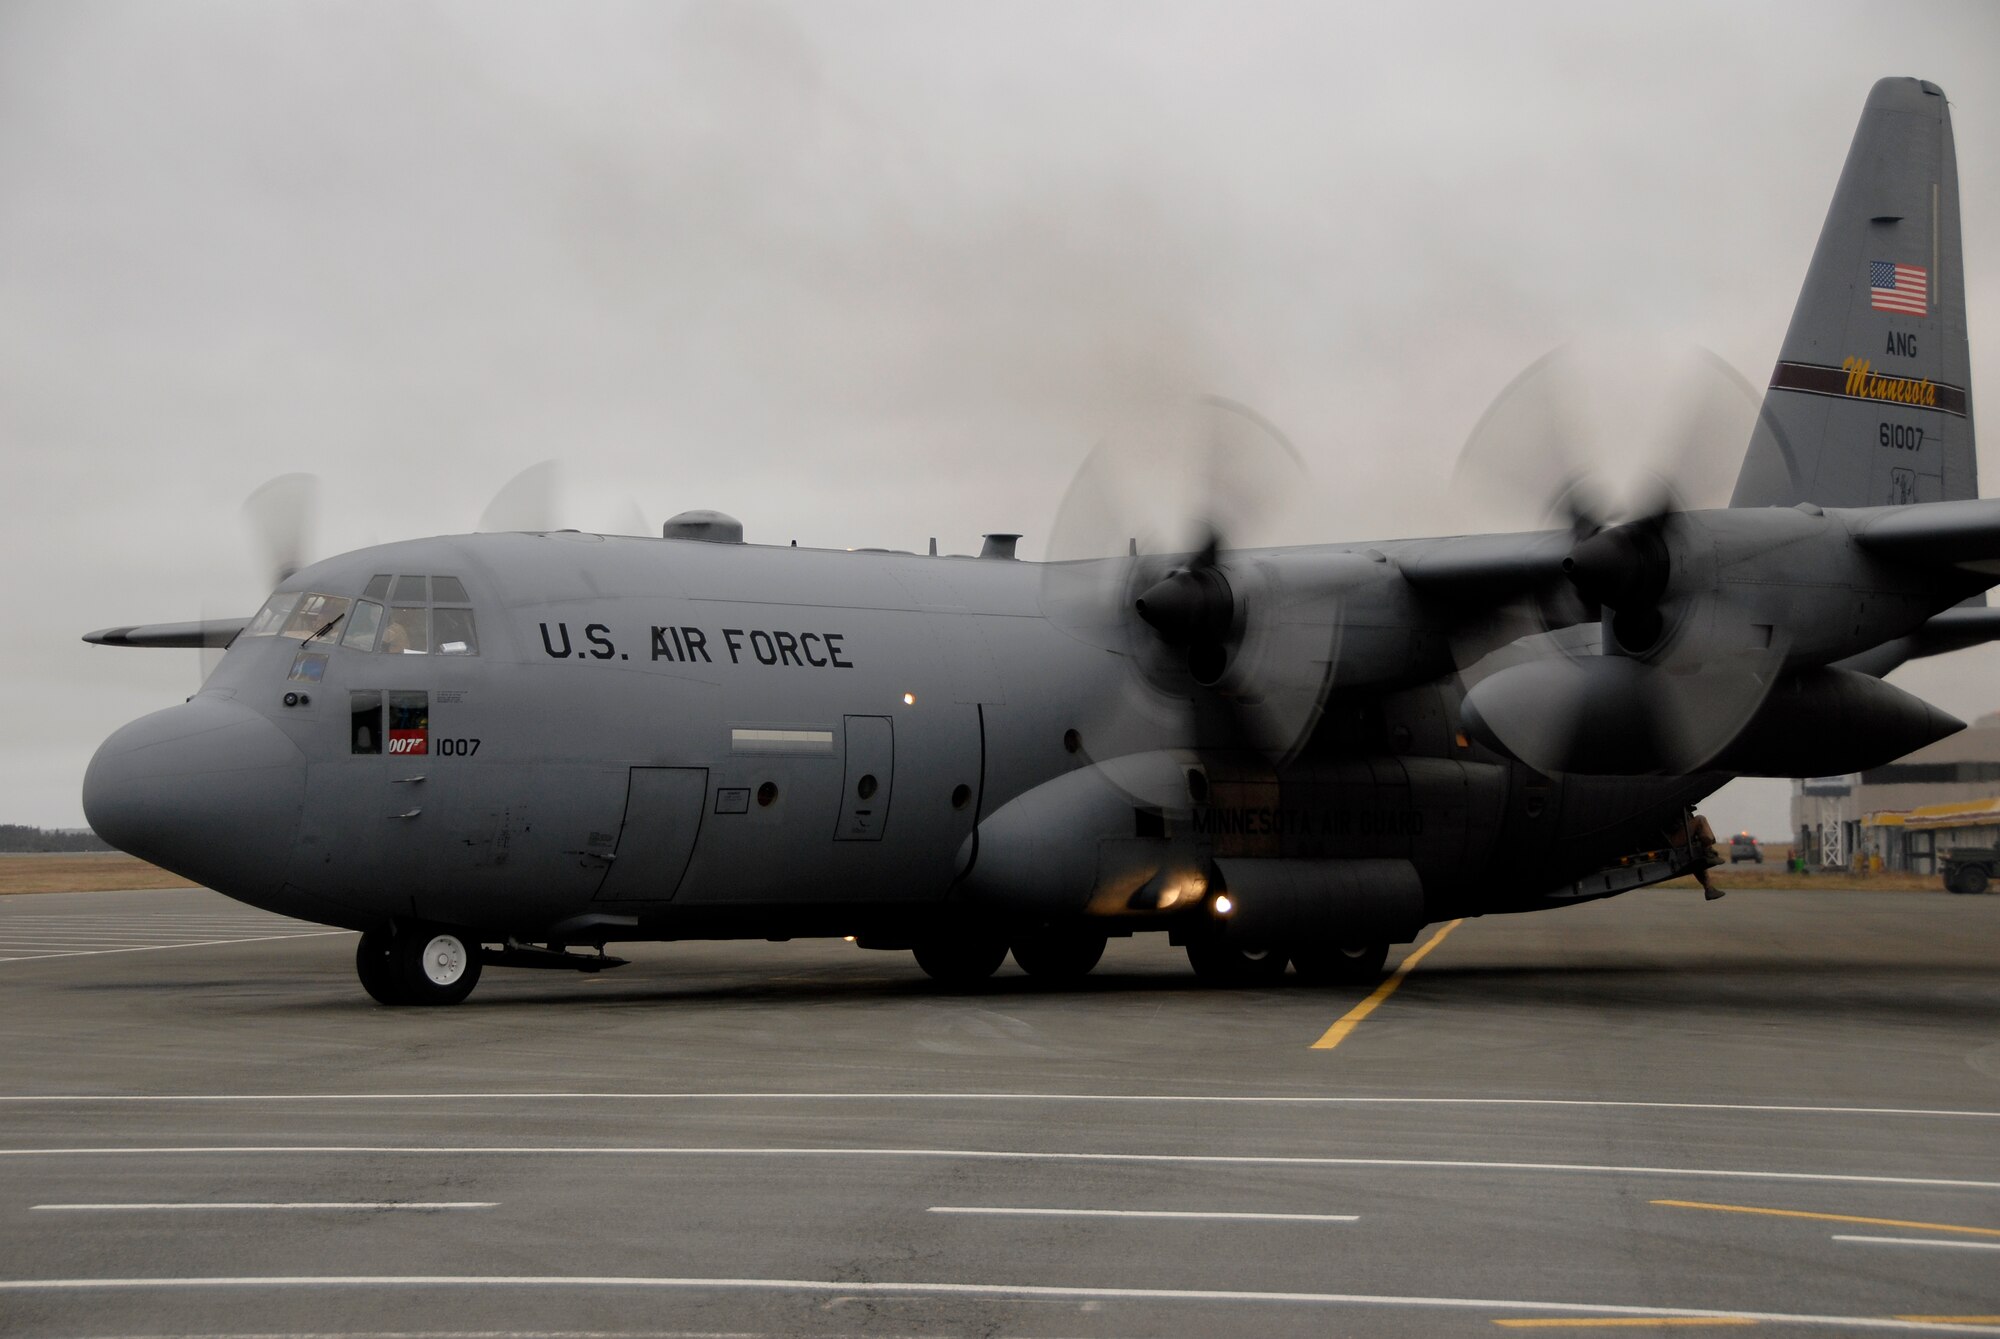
(686, 645)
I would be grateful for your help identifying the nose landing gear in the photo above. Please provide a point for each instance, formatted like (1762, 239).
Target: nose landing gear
(417, 965)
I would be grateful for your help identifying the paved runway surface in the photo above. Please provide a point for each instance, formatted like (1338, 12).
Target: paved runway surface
(1781, 1110)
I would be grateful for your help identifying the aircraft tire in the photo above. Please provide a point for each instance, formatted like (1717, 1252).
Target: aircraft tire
(418, 965)
(375, 964)
(1220, 963)
(961, 960)
(1058, 954)
(1336, 964)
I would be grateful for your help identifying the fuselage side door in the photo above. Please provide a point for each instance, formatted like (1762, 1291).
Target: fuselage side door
(663, 812)
(870, 776)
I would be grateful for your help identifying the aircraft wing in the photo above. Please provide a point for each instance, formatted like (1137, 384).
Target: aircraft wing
(209, 632)
(1484, 567)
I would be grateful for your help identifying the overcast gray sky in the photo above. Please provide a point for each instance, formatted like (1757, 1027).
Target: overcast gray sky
(857, 273)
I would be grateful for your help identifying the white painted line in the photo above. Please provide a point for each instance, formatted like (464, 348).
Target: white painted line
(84, 943)
(1238, 1099)
(1001, 1290)
(370, 1205)
(23, 926)
(42, 945)
(154, 948)
(1148, 1213)
(971, 1155)
(1924, 1241)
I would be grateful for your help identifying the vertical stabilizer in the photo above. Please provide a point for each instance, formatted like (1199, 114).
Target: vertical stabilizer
(1870, 403)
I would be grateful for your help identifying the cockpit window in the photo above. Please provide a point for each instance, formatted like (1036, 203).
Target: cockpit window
(363, 625)
(454, 632)
(449, 590)
(378, 587)
(409, 631)
(314, 613)
(273, 615)
(410, 590)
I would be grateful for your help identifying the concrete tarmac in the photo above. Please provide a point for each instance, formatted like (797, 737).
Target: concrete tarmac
(1779, 1111)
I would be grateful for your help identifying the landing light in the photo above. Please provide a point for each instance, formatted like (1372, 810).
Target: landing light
(1224, 904)
(909, 699)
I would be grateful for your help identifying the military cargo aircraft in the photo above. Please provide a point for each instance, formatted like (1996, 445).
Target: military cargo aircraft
(503, 749)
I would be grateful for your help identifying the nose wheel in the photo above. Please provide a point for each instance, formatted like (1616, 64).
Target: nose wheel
(417, 965)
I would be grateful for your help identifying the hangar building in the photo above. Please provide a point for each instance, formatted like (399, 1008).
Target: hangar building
(1906, 813)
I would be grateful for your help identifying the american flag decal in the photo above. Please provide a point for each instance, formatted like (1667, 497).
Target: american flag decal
(1904, 289)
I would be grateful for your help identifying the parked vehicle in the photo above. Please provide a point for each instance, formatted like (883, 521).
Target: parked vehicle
(1743, 846)
(1970, 869)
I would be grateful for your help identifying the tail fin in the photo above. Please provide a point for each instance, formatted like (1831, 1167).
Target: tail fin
(1870, 403)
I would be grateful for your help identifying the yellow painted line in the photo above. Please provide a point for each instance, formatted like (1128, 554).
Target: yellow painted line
(1352, 1018)
(1831, 1217)
(1627, 1322)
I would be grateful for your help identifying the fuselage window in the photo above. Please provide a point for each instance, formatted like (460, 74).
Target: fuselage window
(409, 632)
(273, 615)
(314, 614)
(365, 722)
(454, 633)
(308, 667)
(363, 625)
(409, 722)
(377, 588)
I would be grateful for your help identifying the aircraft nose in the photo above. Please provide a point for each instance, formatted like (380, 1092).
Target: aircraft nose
(209, 789)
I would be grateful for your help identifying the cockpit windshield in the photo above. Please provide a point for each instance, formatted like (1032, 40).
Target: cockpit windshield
(316, 616)
(273, 615)
(363, 626)
(425, 615)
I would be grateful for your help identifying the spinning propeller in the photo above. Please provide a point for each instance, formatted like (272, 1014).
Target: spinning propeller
(1151, 559)
(1640, 657)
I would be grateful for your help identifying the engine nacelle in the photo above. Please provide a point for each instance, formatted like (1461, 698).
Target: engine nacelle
(1828, 721)
(1101, 839)
(1118, 839)
(1281, 903)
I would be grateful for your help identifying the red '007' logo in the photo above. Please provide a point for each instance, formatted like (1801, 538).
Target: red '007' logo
(409, 741)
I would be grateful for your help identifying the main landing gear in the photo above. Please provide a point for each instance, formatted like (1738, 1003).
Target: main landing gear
(1220, 962)
(964, 957)
(417, 965)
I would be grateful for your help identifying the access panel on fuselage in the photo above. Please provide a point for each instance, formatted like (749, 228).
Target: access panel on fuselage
(663, 811)
(871, 772)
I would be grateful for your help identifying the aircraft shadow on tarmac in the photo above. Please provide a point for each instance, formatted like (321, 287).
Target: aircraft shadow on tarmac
(1780, 987)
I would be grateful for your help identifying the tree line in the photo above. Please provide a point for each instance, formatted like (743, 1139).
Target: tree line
(17, 837)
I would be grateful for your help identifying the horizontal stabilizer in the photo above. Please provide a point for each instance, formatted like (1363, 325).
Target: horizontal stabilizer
(210, 632)
(1953, 630)
(1963, 534)
(1956, 629)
